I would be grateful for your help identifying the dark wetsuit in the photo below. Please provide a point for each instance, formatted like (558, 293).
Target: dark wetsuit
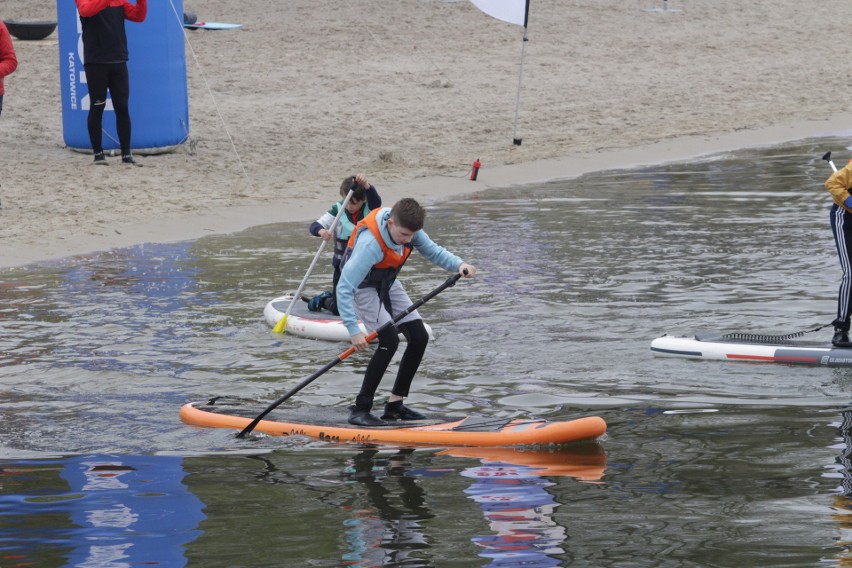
(105, 59)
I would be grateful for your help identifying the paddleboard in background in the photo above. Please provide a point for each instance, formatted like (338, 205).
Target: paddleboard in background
(313, 325)
(212, 26)
(329, 424)
(720, 347)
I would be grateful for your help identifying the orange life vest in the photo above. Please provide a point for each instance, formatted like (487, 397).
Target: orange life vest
(386, 269)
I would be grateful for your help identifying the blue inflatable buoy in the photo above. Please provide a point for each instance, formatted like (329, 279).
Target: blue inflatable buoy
(159, 105)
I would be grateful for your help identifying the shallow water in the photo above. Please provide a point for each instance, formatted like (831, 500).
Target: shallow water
(705, 463)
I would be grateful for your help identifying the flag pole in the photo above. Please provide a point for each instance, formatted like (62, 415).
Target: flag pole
(515, 140)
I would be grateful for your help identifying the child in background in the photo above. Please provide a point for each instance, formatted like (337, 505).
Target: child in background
(364, 199)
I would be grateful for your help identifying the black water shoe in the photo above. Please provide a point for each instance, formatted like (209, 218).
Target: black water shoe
(128, 159)
(100, 159)
(362, 417)
(841, 338)
(398, 411)
(317, 303)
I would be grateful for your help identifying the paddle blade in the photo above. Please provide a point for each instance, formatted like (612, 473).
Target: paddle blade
(281, 325)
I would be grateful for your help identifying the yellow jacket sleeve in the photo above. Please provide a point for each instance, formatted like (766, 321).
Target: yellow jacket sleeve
(839, 183)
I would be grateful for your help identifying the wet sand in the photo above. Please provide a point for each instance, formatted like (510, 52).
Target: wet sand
(411, 92)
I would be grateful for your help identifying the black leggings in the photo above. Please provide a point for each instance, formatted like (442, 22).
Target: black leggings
(112, 76)
(417, 338)
(841, 227)
(331, 303)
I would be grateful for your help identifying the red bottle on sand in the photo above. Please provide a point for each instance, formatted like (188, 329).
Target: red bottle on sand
(475, 171)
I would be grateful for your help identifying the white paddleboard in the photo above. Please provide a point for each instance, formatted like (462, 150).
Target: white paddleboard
(718, 347)
(314, 325)
(212, 26)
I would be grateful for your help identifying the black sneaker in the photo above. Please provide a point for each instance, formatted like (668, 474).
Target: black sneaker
(841, 338)
(100, 159)
(362, 417)
(129, 161)
(398, 411)
(315, 304)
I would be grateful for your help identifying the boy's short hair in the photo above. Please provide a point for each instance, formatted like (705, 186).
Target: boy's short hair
(409, 214)
(358, 192)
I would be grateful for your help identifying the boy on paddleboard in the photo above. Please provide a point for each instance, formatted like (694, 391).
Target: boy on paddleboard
(364, 199)
(368, 290)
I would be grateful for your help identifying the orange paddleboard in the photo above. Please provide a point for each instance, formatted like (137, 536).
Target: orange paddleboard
(470, 431)
(586, 462)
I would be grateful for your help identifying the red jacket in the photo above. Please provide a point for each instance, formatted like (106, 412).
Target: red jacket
(8, 61)
(102, 21)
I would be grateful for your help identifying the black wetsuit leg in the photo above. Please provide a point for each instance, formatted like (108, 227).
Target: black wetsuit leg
(114, 77)
(416, 338)
(841, 228)
(331, 303)
(388, 344)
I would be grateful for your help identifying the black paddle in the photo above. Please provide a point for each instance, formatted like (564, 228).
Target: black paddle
(449, 282)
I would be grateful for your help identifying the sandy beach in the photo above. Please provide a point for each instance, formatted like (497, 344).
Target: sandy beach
(411, 92)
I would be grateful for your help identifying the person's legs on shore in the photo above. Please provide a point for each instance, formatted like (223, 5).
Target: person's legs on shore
(97, 79)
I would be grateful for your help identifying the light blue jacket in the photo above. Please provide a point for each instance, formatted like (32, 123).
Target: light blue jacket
(368, 252)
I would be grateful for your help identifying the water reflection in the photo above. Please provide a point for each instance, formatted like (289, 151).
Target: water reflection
(387, 508)
(510, 488)
(96, 511)
(841, 471)
(390, 513)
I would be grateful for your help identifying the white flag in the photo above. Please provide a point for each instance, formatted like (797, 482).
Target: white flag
(512, 11)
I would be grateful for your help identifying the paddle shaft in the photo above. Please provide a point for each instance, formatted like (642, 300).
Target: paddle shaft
(316, 256)
(449, 282)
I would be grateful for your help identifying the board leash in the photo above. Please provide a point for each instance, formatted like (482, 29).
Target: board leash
(760, 338)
